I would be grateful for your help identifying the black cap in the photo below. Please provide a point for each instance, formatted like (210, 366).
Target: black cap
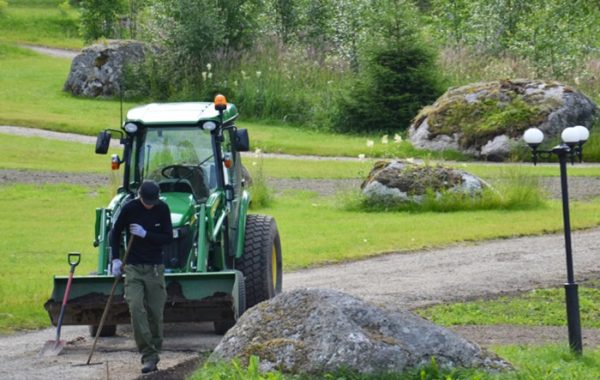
(149, 192)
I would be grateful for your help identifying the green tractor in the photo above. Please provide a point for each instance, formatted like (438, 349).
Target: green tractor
(222, 259)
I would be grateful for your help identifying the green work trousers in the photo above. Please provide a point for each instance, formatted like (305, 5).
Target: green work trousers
(145, 294)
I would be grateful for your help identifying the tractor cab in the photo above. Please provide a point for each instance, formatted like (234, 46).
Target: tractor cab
(192, 151)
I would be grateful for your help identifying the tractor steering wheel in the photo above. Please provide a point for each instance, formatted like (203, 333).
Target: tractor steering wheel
(177, 171)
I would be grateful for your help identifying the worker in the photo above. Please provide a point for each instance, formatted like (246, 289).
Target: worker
(148, 220)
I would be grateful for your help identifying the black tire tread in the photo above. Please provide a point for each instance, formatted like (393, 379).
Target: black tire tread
(253, 264)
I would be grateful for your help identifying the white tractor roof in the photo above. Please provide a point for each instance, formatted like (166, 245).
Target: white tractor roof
(172, 113)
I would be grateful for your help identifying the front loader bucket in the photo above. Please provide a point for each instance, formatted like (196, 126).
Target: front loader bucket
(191, 297)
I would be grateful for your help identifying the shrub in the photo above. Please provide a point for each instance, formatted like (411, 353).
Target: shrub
(99, 18)
(398, 81)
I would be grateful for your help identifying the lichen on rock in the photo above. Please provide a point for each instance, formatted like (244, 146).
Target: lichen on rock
(487, 120)
(320, 330)
(402, 181)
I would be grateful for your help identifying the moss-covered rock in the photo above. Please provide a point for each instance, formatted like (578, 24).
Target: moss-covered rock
(396, 181)
(487, 119)
(317, 331)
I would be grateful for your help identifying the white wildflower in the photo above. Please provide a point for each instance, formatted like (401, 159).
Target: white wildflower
(370, 143)
(204, 76)
(410, 160)
(258, 74)
(209, 75)
(257, 152)
(397, 138)
(384, 139)
(208, 66)
(361, 156)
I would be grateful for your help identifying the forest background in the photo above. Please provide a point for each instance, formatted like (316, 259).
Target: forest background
(327, 64)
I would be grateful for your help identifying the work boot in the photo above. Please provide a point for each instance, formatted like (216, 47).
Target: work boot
(150, 366)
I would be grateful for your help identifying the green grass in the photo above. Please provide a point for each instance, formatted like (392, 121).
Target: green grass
(40, 23)
(63, 156)
(36, 153)
(551, 362)
(40, 225)
(548, 362)
(31, 95)
(541, 307)
(350, 235)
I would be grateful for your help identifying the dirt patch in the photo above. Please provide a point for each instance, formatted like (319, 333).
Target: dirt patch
(34, 177)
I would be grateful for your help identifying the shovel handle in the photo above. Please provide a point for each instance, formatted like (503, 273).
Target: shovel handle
(108, 302)
(73, 258)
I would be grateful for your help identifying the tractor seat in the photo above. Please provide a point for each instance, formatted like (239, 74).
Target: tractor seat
(176, 185)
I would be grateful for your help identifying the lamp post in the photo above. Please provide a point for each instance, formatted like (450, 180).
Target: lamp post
(571, 148)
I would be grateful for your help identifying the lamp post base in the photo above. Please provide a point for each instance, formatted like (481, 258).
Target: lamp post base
(574, 324)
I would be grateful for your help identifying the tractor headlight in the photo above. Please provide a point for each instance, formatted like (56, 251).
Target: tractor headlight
(130, 128)
(209, 126)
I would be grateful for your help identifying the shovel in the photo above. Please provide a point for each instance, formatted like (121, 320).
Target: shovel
(107, 307)
(54, 347)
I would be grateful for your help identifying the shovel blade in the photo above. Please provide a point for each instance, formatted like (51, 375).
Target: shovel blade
(52, 348)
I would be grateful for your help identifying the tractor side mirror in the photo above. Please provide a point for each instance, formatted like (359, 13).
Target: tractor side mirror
(242, 142)
(103, 142)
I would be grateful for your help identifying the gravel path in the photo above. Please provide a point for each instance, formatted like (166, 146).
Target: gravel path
(53, 52)
(399, 280)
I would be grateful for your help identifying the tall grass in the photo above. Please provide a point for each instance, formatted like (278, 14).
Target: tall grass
(268, 83)
(261, 195)
(462, 66)
(512, 190)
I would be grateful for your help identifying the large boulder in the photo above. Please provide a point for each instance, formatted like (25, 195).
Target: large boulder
(487, 120)
(98, 70)
(403, 181)
(321, 330)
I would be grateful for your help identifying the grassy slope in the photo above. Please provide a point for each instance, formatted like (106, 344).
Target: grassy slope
(40, 23)
(31, 95)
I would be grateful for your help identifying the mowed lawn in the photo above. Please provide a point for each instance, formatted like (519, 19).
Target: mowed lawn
(41, 224)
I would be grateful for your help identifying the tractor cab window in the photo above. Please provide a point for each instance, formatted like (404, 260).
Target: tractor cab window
(178, 158)
(232, 170)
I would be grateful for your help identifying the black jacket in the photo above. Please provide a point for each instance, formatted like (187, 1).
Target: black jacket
(159, 231)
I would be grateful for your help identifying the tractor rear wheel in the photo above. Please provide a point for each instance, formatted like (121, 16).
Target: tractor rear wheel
(261, 261)
(108, 330)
